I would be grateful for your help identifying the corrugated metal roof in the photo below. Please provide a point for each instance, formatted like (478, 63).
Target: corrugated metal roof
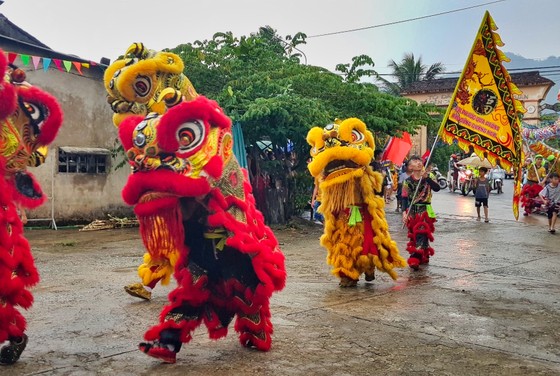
(448, 84)
(11, 30)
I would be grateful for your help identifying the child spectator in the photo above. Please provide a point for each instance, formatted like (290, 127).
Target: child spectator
(481, 193)
(551, 197)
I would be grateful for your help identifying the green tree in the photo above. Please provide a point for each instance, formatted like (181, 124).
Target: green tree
(260, 81)
(354, 72)
(409, 70)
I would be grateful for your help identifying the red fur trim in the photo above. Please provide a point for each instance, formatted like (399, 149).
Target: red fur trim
(202, 109)
(214, 167)
(163, 181)
(252, 237)
(126, 129)
(419, 224)
(8, 101)
(24, 299)
(215, 328)
(528, 195)
(53, 112)
(15, 256)
(413, 262)
(7, 92)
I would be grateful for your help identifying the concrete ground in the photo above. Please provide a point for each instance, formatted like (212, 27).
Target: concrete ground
(488, 304)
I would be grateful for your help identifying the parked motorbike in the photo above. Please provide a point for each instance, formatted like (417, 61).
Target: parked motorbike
(442, 181)
(496, 178)
(465, 181)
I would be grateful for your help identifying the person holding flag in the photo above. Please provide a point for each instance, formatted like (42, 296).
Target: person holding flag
(419, 217)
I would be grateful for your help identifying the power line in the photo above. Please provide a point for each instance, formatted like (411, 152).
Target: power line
(554, 70)
(403, 21)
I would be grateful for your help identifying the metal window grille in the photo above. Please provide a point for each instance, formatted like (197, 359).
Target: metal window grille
(83, 160)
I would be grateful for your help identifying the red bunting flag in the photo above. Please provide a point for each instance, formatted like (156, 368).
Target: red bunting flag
(78, 67)
(12, 57)
(58, 64)
(26, 59)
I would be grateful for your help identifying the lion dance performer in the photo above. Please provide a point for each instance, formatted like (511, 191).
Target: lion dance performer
(356, 233)
(419, 217)
(190, 195)
(29, 120)
(133, 84)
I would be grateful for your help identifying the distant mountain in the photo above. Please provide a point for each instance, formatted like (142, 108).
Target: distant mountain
(553, 74)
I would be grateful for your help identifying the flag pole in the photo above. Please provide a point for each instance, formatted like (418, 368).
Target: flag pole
(452, 100)
(533, 163)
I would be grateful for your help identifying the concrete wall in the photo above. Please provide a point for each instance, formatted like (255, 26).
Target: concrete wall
(87, 123)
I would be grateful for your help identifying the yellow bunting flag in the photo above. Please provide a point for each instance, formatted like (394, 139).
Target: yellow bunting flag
(483, 114)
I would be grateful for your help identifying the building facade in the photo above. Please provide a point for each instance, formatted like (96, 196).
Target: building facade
(79, 174)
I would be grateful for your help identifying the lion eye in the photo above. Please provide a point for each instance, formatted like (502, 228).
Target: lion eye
(357, 136)
(142, 86)
(190, 135)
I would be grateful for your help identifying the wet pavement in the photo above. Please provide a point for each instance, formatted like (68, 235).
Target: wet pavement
(488, 304)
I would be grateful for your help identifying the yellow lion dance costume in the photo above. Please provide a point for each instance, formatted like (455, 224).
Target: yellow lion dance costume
(356, 232)
(134, 82)
(136, 85)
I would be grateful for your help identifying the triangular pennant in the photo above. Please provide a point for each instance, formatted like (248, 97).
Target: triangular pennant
(85, 65)
(25, 59)
(46, 63)
(11, 57)
(483, 113)
(78, 67)
(67, 65)
(36, 60)
(58, 64)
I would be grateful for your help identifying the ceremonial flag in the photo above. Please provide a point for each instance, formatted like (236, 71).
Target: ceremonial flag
(397, 149)
(483, 114)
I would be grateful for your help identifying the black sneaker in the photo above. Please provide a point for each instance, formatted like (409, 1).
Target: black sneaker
(10, 353)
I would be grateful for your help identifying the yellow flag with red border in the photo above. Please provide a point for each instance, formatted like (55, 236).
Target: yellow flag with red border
(483, 114)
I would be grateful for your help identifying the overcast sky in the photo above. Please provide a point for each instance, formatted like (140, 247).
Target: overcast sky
(105, 28)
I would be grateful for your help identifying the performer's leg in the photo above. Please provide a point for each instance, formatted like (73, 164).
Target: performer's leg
(254, 326)
(180, 317)
(151, 272)
(420, 230)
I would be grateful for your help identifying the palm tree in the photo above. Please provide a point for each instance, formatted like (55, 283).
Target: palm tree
(408, 71)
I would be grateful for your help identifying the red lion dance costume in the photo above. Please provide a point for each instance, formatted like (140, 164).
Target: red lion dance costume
(192, 198)
(29, 120)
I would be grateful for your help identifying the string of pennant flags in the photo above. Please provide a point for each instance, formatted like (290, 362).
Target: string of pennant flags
(61, 65)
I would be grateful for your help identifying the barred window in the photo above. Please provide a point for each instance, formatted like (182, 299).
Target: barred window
(75, 160)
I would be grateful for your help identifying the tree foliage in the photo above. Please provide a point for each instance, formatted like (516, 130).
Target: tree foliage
(263, 82)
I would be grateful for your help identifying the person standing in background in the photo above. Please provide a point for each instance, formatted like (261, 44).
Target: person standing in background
(481, 193)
